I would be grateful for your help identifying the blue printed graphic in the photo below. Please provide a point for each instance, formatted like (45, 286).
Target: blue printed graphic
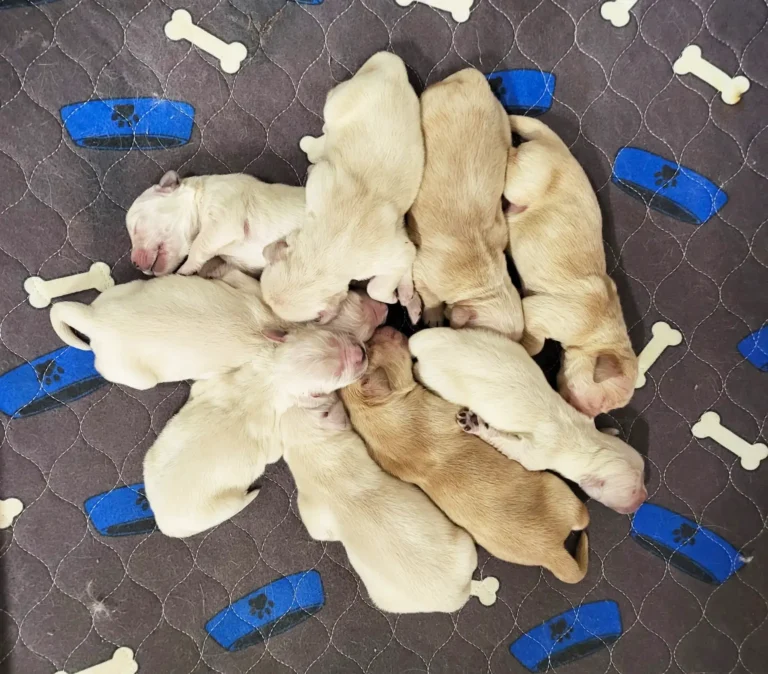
(121, 512)
(124, 123)
(523, 92)
(309, 2)
(568, 636)
(666, 186)
(685, 545)
(50, 381)
(754, 348)
(8, 4)
(268, 611)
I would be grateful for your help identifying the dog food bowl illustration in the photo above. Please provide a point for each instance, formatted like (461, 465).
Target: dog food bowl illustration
(568, 636)
(48, 382)
(754, 348)
(123, 511)
(666, 186)
(523, 91)
(124, 123)
(268, 611)
(685, 545)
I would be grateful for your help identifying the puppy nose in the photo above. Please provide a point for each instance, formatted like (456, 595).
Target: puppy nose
(140, 258)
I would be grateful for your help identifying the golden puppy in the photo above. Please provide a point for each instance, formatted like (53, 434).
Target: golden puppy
(457, 222)
(556, 240)
(517, 516)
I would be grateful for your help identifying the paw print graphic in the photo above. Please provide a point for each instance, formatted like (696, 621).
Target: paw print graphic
(686, 535)
(667, 177)
(497, 87)
(124, 115)
(141, 498)
(48, 372)
(261, 606)
(560, 629)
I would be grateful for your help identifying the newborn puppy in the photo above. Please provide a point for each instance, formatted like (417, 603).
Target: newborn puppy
(457, 222)
(233, 216)
(556, 239)
(411, 558)
(529, 422)
(368, 167)
(517, 516)
(201, 469)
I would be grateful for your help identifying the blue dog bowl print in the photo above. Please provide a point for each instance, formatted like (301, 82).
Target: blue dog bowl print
(523, 92)
(568, 636)
(754, 348)
(666, 186)
(123, 511)
(125, 123)
(268, 611)
(48, 382)
(685, 545)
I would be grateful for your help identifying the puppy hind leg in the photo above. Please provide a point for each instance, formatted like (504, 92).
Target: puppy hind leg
(313, 148)
(318, 520)
(566, 568)
(511, 445)
(529, 174)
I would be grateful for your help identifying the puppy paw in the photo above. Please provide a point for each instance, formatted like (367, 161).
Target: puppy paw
(533, 345)
(413, 308)
(433, 317)
(187, 269)
(469, 422)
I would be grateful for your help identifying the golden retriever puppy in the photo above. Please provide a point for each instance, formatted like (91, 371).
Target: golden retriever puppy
(457, 222)
(529, 422)
(233, 216)
(368, 167)
(517, 516)
(555, 233)
(410, 557)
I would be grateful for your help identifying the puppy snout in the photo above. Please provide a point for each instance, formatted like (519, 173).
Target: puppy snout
(143, 258)
(389, 334)
(638, 498)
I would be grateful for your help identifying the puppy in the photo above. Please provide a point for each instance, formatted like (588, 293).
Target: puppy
(517, 516)
(201, 469)
(411, 558)
(556, 240)
(368, 167)
(457, 222)
(529, 422)
(233, 216)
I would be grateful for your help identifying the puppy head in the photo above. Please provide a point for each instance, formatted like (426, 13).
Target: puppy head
(294, 292)
(500, 311)
(162, 223)
(359, 315)
(616, 476)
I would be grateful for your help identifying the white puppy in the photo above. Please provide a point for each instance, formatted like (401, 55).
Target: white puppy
(410, 557)
(529, 421)
(368, 167)
(231, 216)
(201, 469)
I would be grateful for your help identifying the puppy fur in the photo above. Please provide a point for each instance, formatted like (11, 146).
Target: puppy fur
(233, 216)
(457, 222)
(410, 557)
(517, 516)
(499, 381)
(555, 230)
(367, 170)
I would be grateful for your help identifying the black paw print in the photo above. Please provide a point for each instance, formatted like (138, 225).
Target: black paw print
(141, 498)
(686, 535)
(560, 629)
(667, 177)
(48, 372)
(124, 115)
(261, 606)
(497, 87)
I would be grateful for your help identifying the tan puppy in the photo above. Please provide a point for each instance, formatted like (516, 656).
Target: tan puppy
(233, 216)
(517, 516)
(368, 167)
(457, 222)
(498, 380)
(411, 557)
(556, 240)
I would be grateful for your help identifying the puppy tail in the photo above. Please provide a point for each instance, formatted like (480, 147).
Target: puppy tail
(66, 317)
(570, 570)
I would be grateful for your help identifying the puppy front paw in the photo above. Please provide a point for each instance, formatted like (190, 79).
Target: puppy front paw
(187, 269)
(469, 422)
(433, 316)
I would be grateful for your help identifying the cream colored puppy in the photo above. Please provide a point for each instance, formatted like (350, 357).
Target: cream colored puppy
(233, 216)
(410, 557)
(457, 222)
(529, 422)
(556, 239)
(368, 167)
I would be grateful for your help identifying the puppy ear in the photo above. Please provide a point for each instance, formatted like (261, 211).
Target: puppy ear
(462, 316)
(335, 417)
(275, 251)
(593, 486)
(169, 182)
(607, 366)
(275, 335)
(375, 384)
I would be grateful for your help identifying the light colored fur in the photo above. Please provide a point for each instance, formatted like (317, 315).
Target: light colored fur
(410, 557)
(555, 230)
(517, 516)
(233, 216)
(457, 222)
(498, 380)
(368, 167)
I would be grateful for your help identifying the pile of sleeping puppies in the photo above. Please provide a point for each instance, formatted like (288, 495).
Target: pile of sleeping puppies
(408, 452)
